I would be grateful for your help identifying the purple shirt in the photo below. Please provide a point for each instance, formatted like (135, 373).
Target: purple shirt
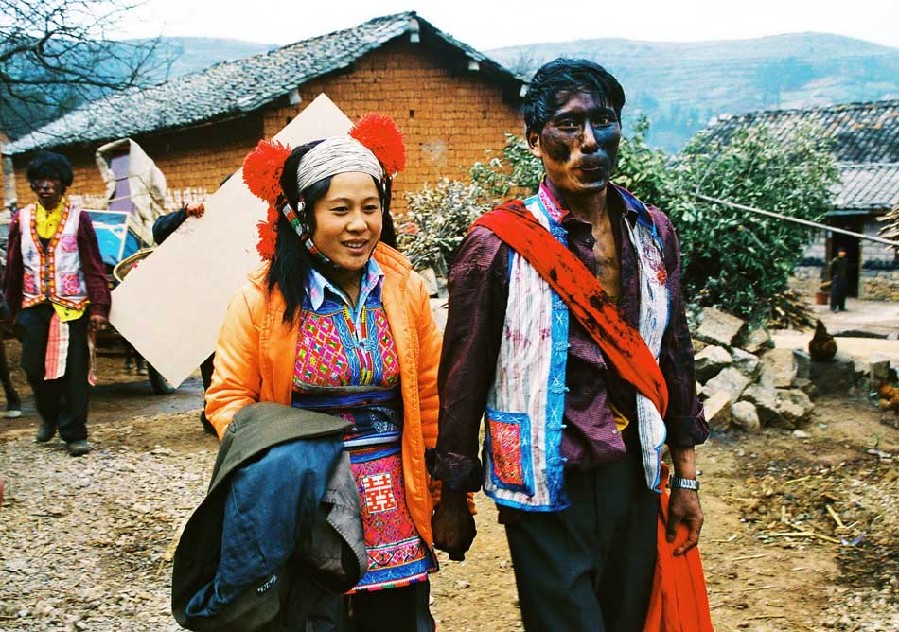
(479, 288)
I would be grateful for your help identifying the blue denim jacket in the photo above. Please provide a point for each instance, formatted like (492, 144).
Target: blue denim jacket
(285, 515)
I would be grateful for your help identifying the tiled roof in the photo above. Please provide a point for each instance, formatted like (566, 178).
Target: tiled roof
(233, 88)
(864, 132)
(866, 146)
(868, 187)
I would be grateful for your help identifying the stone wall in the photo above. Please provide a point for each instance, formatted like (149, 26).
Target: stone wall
(879, 285)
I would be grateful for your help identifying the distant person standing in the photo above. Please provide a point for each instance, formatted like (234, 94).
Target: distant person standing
(57, 292)
(839, 281)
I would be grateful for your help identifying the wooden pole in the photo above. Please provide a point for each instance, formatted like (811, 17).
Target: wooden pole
(806, 222)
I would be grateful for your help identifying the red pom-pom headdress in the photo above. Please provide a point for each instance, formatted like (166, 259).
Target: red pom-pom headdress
(380, 135)
(262, 169)
(263, 166)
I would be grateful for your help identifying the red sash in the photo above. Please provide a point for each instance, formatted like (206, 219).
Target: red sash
(620, 343)
(679, 600)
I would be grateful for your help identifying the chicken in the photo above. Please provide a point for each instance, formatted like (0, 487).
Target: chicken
(888, 400)
(822, 347)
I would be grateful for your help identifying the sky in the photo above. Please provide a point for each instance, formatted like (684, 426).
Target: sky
(488, 24)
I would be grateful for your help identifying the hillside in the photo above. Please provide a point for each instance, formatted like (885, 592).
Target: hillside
(679, 87)
(190, 54)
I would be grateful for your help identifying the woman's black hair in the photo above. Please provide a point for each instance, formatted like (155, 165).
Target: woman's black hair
(561, 77)
(291, 263)
(48, 165)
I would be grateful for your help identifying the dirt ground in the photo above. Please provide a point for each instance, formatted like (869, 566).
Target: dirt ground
(801, 527)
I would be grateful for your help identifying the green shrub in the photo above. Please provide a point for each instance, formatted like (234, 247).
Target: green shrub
(437, 220)
(731, 259)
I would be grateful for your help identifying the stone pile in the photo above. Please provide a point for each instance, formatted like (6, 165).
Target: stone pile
(747, 383)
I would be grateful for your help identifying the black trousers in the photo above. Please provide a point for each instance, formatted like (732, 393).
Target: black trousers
(61, 402)
(390, 610)
(589, 567)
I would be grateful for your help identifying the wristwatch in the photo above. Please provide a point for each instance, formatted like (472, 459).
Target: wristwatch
(676, 482)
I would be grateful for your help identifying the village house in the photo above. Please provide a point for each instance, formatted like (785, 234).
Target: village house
(452, 103)
(866, 145)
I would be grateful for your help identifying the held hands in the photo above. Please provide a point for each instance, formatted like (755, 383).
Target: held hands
(453, 525)
(684, 511)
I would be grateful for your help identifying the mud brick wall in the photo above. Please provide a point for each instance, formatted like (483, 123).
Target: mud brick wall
(451, 118)
(194, 161)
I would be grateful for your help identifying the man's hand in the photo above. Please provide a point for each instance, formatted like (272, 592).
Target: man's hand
(453, 524)
(97, 322)
(195, 209)
(684, 511)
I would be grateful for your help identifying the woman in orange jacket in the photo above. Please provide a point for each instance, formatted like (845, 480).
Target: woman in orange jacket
(337, 321)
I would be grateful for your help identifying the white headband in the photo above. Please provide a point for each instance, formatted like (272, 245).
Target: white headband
(338, 154)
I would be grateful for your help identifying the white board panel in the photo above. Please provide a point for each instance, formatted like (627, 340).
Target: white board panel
(171, 305)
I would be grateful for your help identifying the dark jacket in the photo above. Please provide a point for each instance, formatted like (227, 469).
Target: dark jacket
(279, 530)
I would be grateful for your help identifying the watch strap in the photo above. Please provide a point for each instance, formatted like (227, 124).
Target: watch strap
(676, 482)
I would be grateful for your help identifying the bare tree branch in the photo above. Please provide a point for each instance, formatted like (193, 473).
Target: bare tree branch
(56, 55)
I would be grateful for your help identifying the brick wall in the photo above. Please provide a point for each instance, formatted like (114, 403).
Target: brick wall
(194, 161)
(450, 118)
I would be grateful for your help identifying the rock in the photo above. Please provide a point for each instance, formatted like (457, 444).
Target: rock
(744, 416)
(765, 402)
(728, 380)
(878, 370)
(803, 362)
(795, 406)
(745, 362)
(801, 434)
(836, 376)
(717, 410)
(778, 368)
(779, 408)
(756, 341)
(806, 386)
(440, 311)
(717, 327)
(710, 361)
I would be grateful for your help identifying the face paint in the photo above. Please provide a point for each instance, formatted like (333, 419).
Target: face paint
(579, 144)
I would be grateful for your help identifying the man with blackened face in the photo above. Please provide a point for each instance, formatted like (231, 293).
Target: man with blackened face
(567, 334)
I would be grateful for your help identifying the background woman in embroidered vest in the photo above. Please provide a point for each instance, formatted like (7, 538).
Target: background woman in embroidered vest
(338, 322)
(57, 291)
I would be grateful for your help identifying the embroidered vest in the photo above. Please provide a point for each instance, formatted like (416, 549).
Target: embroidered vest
(55, 274)
(523, 466)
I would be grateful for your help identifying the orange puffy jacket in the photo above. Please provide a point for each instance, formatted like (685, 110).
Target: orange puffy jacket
(256, 351)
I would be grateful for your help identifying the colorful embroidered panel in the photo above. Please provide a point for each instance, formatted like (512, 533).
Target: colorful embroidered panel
(397, 556)
(506, 440)
(332, 352)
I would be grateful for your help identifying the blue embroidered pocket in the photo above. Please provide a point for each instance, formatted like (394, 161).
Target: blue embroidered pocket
(508, 444)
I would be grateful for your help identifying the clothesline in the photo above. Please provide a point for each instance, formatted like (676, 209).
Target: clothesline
(806, 222)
